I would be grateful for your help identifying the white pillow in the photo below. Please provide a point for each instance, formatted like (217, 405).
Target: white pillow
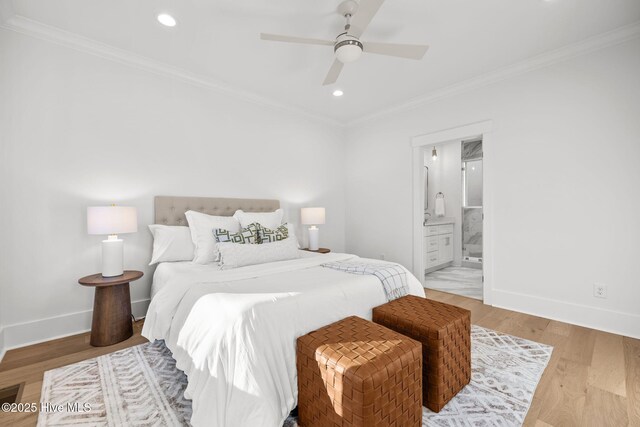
(201, 227)
(292, 233)
(171, 243)
(266, 219)
(233, 255)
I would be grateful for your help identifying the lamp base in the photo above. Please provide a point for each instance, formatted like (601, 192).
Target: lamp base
(314, 238)
(112, 257)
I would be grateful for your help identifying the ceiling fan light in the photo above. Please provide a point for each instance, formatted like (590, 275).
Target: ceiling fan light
(348, 50)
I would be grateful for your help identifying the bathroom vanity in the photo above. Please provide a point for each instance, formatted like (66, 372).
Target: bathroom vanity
(438, 244)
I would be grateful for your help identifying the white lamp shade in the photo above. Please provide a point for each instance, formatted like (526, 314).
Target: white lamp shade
(112, 220)
(312, 216)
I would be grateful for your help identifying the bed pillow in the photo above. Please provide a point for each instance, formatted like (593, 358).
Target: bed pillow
(249, 235)
(268, 235)
(233, 255)
(201, 227)
(265, 219)
(171, 243)
(292, 233)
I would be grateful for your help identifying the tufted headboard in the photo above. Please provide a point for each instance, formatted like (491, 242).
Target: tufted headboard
(170, 210)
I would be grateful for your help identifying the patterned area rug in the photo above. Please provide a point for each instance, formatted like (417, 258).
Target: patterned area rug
(136, 386)
(505, 371)
(142, 386)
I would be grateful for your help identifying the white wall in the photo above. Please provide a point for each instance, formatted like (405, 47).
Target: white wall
(563, 160)
(4, 250)
(447, 179)
(86, 131)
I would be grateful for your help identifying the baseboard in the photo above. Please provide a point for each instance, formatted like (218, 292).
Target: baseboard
(2, 346)
(616, 322)
(37, 331)
(627, 324)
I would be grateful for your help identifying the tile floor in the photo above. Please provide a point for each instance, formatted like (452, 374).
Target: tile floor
(456, 280)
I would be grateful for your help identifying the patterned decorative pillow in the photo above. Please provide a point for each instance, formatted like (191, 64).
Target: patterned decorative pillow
(267, 235)
(249, 235)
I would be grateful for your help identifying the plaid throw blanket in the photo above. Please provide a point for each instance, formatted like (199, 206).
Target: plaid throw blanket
(392, 276)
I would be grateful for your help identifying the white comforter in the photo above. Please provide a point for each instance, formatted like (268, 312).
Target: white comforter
(233, 332)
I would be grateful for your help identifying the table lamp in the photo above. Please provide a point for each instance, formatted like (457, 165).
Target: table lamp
(111, 221)
(313, 217)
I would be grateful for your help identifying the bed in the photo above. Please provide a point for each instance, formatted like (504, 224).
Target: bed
(233, 331)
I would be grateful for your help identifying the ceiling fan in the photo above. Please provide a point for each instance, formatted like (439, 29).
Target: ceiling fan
(347, 46)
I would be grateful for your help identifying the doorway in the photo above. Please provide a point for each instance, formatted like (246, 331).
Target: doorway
(451, 231)
(453, 218)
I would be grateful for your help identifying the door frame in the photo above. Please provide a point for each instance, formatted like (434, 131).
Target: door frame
(482, 129)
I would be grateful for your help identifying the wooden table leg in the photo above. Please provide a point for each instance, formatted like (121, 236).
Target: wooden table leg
(111, 315)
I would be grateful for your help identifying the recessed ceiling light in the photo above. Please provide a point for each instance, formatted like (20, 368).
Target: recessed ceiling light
(338, 92)
(166, 20)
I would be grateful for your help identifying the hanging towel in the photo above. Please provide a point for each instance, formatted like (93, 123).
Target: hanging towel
(440, 206)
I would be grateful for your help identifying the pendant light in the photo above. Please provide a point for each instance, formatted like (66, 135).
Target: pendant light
(434, 154)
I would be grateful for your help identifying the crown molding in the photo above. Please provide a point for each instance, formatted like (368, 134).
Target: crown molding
(610, 38)
(36, 29)
(20, 24)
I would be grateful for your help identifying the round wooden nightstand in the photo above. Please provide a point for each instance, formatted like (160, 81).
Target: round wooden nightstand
(111, 307)
(320, 250)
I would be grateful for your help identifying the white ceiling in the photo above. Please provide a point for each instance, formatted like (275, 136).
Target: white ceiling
(220, 41)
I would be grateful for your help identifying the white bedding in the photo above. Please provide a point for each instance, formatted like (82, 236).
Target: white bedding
(168, 272)
(233, 332)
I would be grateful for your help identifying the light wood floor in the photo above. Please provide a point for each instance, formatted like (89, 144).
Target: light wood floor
(593, 378)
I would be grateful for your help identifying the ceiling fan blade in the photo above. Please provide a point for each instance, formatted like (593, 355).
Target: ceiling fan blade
(410, 51)
(301, 40)
(367, 9)
(333, 73)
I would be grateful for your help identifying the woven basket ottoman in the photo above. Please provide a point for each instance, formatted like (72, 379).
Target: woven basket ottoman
(356, 373)
(445, 333)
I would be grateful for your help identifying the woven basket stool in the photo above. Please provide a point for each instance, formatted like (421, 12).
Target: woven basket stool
(445, 333)
(356, 373)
